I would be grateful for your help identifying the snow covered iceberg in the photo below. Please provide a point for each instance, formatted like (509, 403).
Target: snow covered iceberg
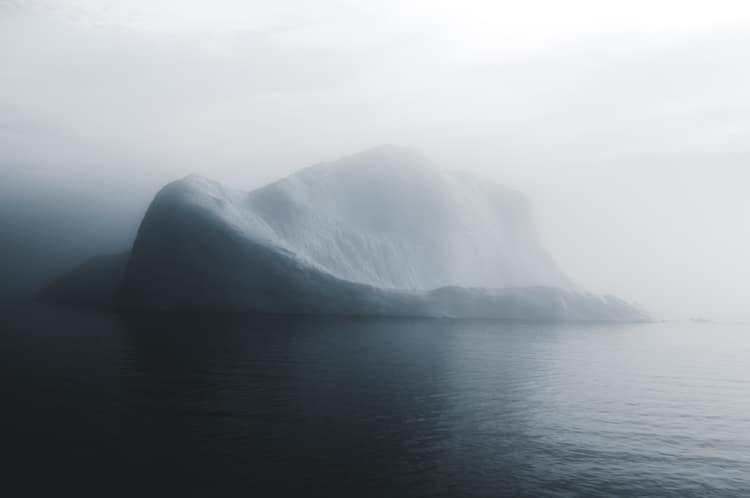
(378, 233)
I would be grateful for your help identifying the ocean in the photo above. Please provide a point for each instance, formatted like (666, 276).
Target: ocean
(141, 405)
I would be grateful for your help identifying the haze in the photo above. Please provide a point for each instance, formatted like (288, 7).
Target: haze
(626, 123)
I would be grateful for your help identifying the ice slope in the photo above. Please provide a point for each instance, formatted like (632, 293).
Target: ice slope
(381, 232)
(386, 217)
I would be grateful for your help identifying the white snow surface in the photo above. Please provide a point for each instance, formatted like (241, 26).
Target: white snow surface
(387, 218)
(380, 232)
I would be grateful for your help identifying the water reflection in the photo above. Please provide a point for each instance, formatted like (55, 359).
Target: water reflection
(292, 404)
(221, 405)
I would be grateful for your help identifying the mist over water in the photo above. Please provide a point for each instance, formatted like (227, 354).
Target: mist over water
(626, 126)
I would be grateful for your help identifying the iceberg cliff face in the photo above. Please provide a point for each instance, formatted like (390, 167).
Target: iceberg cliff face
(381, 232)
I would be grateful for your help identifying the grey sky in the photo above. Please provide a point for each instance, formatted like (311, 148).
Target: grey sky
(627, 123)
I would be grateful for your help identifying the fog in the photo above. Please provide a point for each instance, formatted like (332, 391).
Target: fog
(625, 123)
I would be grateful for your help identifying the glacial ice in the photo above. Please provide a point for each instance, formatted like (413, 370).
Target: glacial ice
(378, 233)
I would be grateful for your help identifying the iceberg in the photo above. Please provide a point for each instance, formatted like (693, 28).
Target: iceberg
(381, 232)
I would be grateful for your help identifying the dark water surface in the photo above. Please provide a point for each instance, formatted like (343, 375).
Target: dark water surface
(105, 405)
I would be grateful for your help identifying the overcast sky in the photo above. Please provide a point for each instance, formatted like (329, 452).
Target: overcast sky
(627, 123)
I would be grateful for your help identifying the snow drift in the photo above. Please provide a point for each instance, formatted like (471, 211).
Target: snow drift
(380, 233)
